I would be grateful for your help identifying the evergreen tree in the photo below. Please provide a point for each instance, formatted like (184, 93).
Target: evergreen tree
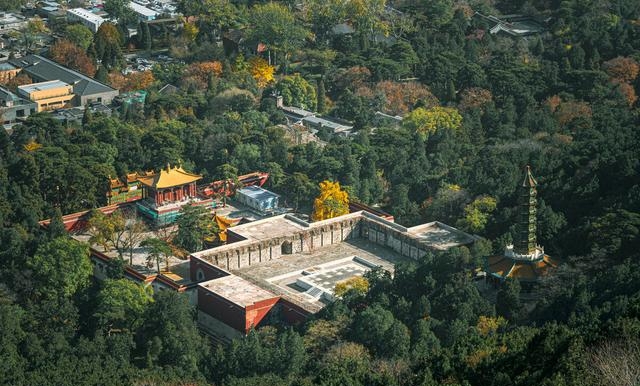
(508, 302)
(321, 95)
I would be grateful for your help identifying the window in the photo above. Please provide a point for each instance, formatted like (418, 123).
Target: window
(286, 248)
(199, 275)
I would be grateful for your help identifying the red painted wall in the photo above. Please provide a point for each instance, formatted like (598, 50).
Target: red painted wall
(232, 314)
(291, 313)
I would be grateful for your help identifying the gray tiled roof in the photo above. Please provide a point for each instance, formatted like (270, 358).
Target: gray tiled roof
(42, 68)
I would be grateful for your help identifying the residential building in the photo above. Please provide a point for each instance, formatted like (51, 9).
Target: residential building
(50, 95)
(13, 108)
(85, 89)
(143, 13)
(12, 21)
(85, 17)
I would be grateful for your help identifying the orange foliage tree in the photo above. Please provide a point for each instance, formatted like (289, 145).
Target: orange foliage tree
(570, 110)
(131, 82)
(199, 73)
(474, 97)
(261, 71)
(352, 77)
(629, 93)
(400, 97)
(72, 56)
(18, 80)
(621, 69)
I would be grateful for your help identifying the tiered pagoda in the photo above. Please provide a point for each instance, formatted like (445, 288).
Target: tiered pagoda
(524, 259)
(165, 192)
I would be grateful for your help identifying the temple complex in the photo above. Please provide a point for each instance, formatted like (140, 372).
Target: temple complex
(165, 192)
(524, 259)
(124, 190)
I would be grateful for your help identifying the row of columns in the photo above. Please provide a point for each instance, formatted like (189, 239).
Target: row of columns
(175, 194)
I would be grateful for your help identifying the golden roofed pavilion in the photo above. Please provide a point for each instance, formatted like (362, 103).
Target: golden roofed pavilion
(169, 178)
(169, 185)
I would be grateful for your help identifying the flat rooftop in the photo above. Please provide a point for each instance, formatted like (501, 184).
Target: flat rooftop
(268, 228)
(42, 86)
(440, 236)
(237, 290)
(308, 279)
(86, 14)
(237, 211)
(324, 122)
(142, 10)
(4, 66)
(257, 192)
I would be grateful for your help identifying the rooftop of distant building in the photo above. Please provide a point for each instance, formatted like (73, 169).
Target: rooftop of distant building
(42, 86)
(237, 290)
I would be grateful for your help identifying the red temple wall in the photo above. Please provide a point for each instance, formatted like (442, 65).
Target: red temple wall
(292, 313)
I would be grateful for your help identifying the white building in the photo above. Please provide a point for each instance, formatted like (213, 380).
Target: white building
(258, 199)
(12, 21)
(143, 13)
(86, 17)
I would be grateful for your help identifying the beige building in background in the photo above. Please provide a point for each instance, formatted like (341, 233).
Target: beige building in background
(49, 95)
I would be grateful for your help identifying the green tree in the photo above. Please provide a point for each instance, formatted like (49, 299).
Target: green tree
(193, 227)
(61, 267)
(275, 25)
(12, 363)
(144, 36)
(508, 302)
(169, 336)
(300, 187)
(56, 227)
(119, 10)
(296, 91)
(80, 35)
(476, 214)
(106, 43)
(121, 304)
(158, 250)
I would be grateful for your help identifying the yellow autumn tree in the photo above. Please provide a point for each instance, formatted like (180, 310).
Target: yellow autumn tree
(427, 121)
(488, 325)
(32, 146)
(356, 283)
(261, 71)
(190, 31)
(477, 213)
(332, 201)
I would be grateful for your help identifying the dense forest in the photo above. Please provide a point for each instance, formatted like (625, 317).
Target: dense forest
(477, 107)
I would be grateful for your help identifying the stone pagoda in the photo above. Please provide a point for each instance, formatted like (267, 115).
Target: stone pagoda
(524, 259)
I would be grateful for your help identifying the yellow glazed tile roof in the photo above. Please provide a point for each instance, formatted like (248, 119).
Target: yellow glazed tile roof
(169, 177)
